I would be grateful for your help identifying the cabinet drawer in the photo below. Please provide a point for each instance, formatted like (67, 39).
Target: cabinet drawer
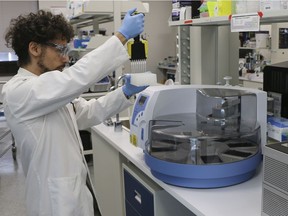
(138, 196)
(130, 211)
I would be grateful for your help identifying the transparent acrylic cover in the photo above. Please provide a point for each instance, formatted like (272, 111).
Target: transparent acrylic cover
(214, 134)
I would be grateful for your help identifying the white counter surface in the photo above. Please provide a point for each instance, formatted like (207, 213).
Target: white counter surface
(238, 200)
(251, 80)
(253, 77)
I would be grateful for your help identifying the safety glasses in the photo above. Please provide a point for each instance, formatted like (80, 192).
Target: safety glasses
(63, 50)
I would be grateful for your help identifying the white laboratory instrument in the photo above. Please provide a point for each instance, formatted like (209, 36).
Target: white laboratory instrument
(275, 181)
(200, 136)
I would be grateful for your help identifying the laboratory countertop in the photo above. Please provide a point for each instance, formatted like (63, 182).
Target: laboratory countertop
(90, 95)
(237, 200)
(251, 80)
(253, 77)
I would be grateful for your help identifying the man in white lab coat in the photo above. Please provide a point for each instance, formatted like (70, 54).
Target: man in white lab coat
(44, 116)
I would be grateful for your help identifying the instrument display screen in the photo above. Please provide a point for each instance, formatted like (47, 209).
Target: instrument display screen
(142, 100)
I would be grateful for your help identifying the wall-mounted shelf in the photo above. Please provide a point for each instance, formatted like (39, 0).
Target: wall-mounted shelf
(102, 11)
(255, 48)
(105, 7)
(221, 20)
(266, 17)
(168, 68)
(87, 18)
(249, 48)
(93, 13)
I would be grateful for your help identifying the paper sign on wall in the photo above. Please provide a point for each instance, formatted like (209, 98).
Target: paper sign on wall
(245, 22)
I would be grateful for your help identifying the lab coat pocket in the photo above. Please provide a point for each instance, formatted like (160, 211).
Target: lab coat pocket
(65, 196)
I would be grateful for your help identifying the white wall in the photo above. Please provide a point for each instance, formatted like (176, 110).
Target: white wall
(12, 9)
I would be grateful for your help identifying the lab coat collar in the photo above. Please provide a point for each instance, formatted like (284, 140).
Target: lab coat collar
(24, 72)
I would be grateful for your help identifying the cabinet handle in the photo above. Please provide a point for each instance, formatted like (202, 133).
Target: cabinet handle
(137, 196)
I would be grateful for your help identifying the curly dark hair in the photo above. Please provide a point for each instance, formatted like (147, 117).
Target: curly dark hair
(39, 27)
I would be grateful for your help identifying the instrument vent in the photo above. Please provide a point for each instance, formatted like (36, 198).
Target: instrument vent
(273, 203)
(276, 173)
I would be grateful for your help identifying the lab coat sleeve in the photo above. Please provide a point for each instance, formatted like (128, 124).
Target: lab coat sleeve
(93, 112)
(35, 96)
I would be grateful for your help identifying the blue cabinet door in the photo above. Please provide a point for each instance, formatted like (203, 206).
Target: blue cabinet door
(137, 196)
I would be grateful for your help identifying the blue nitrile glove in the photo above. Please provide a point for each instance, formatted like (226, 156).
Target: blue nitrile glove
(132, 25)
(129, 89)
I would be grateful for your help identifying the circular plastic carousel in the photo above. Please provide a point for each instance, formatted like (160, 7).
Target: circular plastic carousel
(206, 149)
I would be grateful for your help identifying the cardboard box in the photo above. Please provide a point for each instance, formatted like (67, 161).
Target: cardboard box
(277, 128)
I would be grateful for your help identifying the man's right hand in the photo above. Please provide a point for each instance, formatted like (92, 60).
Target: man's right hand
(132, 25)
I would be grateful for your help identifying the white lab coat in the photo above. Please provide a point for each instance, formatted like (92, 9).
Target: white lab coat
(45, 127)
